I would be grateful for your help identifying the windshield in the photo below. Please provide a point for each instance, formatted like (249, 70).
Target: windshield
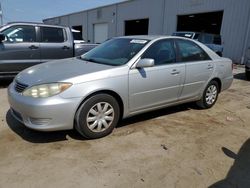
(115, 52)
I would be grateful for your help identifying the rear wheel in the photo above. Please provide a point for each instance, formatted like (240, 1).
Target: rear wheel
(209, 96)
(97, 116)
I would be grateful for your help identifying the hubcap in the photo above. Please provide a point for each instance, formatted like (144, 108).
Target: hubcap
(100, 117)
(211, 94)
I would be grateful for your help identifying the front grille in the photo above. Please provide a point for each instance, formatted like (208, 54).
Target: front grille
(19, 87)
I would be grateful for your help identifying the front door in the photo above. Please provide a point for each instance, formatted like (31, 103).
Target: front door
(19, 50)
(158, 85)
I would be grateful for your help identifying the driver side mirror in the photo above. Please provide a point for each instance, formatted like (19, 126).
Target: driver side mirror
(2, 37)
(145, 63)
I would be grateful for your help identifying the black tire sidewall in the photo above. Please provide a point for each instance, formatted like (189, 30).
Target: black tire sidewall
(81, 124)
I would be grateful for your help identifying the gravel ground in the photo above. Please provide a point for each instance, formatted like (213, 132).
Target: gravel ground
(179, 147)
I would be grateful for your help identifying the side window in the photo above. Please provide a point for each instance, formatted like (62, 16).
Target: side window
(189, 51)
(52, 34)
(162, 52)
(208, 39)
(18, 34)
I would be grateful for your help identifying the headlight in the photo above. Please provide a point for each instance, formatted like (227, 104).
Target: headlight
(46, 90)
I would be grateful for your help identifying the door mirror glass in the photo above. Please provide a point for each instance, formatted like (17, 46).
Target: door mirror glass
(2, 37)
(145, 63)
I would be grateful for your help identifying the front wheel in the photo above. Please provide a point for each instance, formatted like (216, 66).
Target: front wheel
(209, 96)
(97, 116)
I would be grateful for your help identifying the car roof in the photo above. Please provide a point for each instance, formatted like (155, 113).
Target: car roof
(32, 23)
(186, 32)
(148, 37)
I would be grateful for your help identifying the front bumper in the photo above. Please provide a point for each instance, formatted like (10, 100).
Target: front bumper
(43, 114)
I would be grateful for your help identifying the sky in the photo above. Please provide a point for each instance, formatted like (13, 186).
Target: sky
(37, 10)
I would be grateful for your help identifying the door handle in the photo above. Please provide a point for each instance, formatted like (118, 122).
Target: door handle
(210, 67)
(65, 48)
(33, 47)
(175, 72)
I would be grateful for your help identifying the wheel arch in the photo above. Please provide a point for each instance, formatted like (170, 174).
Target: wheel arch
(218, 80)
(109, 92)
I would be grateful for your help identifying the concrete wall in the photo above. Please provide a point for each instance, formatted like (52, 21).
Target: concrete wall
(102, 15)
(162, 16)
(140, 9)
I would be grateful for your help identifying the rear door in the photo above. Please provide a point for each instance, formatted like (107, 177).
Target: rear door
(157, 85)
(55, 44)
(19, 50)
(199, 67)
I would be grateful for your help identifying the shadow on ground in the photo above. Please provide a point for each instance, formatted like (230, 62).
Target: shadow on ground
(5, 82)
(39, 137)
(240, 76)
(157, 113)
(239, 174)
(46, 137)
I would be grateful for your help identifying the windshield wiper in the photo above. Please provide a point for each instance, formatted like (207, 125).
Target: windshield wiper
(88, 59)
(95, 61)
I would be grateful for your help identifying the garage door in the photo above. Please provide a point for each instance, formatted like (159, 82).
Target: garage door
(209, 22)
(136, 27)
(100, 32)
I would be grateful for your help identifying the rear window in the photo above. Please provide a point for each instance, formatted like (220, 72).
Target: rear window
(52, 34)
(196, 36)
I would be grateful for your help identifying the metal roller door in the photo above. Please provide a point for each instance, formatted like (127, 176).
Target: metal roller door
(100, 32)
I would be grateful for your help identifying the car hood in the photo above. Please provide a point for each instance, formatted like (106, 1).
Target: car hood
(59, 71)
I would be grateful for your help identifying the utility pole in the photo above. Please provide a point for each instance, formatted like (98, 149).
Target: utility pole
(1, 14)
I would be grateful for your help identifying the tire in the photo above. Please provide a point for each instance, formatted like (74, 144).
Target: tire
(97, 116)
(248, 75)
(210, 95)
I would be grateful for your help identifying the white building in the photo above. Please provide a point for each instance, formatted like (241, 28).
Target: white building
(230, 18)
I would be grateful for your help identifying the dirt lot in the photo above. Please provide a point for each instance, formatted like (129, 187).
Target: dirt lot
(179, 147)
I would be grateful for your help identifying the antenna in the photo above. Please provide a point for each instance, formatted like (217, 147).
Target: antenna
(1, 14)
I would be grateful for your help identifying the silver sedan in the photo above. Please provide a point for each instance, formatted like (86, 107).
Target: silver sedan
(122, 77)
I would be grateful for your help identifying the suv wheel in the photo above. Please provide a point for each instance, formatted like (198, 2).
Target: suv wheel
(97, 116)
(209, 96)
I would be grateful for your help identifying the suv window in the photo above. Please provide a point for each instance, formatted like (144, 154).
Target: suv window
(189, 51)
(217, 40)
(52, 34)
(22, 33)
(162, 52)
(207, 39)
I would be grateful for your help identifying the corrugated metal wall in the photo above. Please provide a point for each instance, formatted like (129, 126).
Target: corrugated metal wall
(162, 16)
